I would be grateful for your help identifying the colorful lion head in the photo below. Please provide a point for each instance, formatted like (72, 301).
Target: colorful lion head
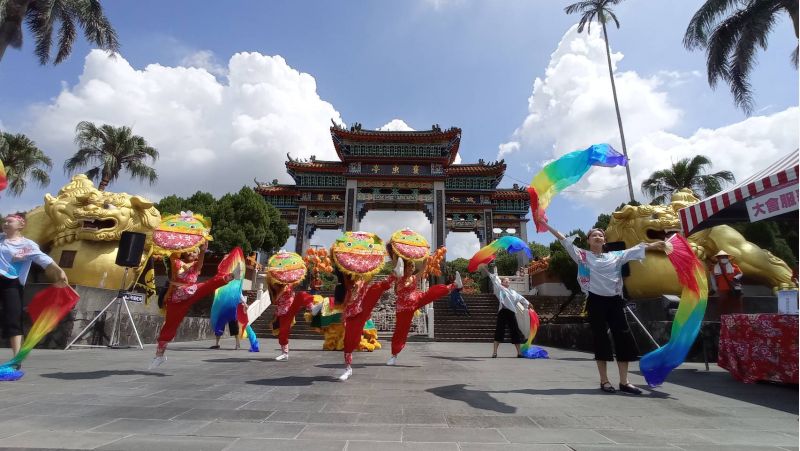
(410, 245)
(359, 254)
(181, 233)
(286, 268)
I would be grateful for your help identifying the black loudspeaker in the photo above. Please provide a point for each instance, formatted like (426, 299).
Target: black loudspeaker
(131, 247)
(619, 246)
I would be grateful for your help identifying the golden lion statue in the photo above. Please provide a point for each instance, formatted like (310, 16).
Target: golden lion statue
(81, 227)
(655, 276)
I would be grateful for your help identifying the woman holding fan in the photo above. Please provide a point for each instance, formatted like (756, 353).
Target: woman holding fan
(600, 278)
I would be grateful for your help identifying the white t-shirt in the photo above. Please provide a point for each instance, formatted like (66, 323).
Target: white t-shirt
(16, 258)
(602, 274)
(507, 297)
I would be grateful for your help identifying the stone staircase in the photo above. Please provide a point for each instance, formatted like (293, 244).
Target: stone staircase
(301, 330)
(479, 327)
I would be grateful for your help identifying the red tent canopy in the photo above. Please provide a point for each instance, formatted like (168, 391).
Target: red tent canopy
(729, 206)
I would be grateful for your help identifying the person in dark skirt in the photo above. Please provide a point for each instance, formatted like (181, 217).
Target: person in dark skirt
(506, 318)
(600, 277)
(16, 255)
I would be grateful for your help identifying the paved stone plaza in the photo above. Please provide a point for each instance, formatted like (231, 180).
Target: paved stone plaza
(441, 396)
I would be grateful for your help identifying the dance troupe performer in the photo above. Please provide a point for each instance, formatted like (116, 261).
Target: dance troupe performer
(285, 270)
(506, 311)
(184, 237)
(16, 255)
(411, 251)
(600, 278)
(357, 256)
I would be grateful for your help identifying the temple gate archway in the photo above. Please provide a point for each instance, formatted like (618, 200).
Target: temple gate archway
(396, 171)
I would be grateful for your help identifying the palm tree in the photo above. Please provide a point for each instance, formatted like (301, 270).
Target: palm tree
(599, 9)
(112, 149)
(24, 162)
(43, 16)
(685, 173)
(731, 31)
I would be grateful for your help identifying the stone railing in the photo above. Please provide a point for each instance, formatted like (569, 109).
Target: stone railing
(384, 316)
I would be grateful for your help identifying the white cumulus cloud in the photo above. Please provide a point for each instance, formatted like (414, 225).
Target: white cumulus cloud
(396, 125)
(572, 108)
(212, 135)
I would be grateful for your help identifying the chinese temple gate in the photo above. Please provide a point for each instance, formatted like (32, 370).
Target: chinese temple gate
(398, 170)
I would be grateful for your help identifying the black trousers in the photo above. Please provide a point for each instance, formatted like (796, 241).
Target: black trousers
(13, 309)
(507, 320)
(607, 312)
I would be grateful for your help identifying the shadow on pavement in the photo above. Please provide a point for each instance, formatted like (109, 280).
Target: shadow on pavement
(239, 360)
(586, 391)
(477, 399)
(87, 375)
(774, 396)
(340, 366)
(456, 359)
(292, 381)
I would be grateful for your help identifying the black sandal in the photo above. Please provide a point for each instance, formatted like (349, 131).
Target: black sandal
(494, 355)
(214, 347)
(629, 388)
(607, 387)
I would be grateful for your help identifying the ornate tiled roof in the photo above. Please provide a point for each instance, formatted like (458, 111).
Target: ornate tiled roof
(434, 135)
(511, 193)
(496, 168)
(450, 138)
(277, 190)
(314, 165)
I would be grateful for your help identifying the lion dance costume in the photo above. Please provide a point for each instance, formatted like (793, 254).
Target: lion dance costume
(358, 256)
(412, 249)
(285, 270)
(178, 236)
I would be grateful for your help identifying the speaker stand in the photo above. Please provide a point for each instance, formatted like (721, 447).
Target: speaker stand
(114, 340)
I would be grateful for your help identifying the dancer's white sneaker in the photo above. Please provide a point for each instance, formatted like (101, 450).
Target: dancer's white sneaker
(282, 357)
(157, 361)
(346, 375)
(392, 360)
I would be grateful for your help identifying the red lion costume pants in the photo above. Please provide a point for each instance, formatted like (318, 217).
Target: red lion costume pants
(301, 299)
(402, 323)
(354, 325)
(176, 311)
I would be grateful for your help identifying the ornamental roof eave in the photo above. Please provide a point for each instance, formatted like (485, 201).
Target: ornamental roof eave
(496, 170)
(511, 194)
(451, 137)
(277, 190)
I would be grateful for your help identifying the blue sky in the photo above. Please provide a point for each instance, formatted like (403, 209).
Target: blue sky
(461, 63)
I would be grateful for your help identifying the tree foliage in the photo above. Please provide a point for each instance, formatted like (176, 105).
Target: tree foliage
(778, 237)
(43, 17)
(239, 219)
(507, 264)
(686, 173)
(23, 162)
(731, 31)
(111, 150)
(539, 250)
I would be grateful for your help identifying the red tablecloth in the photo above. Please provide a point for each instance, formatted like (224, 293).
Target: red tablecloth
(760, 347)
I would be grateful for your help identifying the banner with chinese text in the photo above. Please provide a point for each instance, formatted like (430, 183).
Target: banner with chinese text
(773, 203)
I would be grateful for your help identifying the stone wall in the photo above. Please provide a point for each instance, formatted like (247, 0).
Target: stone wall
(148, 319)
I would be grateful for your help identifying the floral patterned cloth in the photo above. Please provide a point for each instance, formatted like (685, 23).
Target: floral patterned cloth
(759, 347)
